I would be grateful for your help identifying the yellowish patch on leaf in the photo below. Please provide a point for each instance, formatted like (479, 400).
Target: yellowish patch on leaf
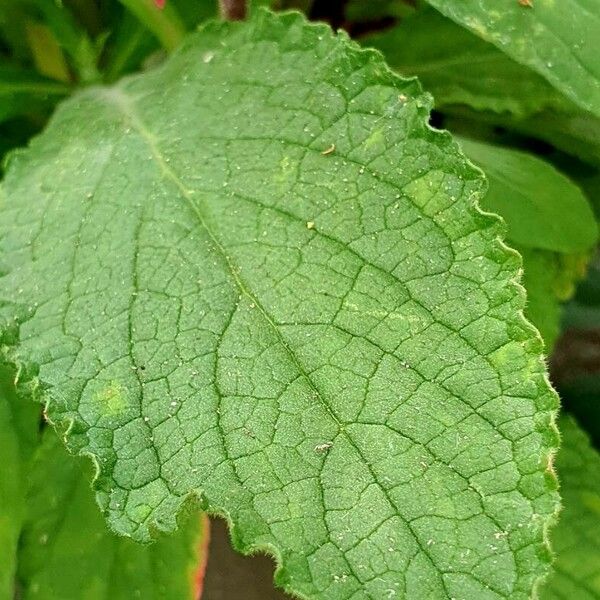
(113, 398)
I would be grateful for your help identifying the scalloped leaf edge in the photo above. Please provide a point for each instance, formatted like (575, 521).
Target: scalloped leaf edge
(29, 387)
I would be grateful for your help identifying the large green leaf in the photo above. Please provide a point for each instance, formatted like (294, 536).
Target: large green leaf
(576, 539)
(542, 207)
(556, 39)
(461, 68)
(257, 276)
(68, 553)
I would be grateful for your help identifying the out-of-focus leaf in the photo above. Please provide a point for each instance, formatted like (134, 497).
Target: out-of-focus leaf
(71, 37)
(557, 39)
(130, 43)
(457, 67)
(25, 92)
(573, 131)
(576, 538)
(19, 423)
(47, 53)
(373, 10)
(166, 23)
(194, 12)
(542, 207)
(68, 553)
(549, 279)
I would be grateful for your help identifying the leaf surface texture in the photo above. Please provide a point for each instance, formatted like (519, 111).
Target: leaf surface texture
(243, 278)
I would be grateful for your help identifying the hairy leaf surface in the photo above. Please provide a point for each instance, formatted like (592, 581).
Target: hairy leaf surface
(257, 276)
(576, 538)
(556, 39)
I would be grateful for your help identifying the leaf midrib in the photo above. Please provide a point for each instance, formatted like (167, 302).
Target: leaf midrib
(117, 97)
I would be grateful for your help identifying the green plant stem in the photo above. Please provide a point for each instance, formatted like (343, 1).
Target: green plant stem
(165, 24)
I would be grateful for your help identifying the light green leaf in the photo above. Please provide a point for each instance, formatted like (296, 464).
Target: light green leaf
(576, 539)
(457, 67)
(67, 552)
(542, 207)
(243, 276)
(556, 39)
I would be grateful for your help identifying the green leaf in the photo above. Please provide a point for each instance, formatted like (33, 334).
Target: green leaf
(542, 207)
(556, 39)
(165, 24)
(457, 67)
(131, 43)
(574, 132)
(549, 279)
(242, 277)
(67, 552)
(19, 423)
(23, 91)
(71, 37)
(576, 539)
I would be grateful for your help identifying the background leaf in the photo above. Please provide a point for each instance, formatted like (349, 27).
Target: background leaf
(542, 207)
(549, 279)
(556, 39)
(576, 538)
(64, 528)
(458, 67)
(19, 423)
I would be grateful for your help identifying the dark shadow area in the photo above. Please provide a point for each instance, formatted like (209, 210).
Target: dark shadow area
(231, 576)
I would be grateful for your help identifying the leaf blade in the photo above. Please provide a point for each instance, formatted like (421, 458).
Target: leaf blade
(255, 394)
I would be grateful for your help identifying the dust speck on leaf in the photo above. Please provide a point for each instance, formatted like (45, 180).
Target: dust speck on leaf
(322, 448)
